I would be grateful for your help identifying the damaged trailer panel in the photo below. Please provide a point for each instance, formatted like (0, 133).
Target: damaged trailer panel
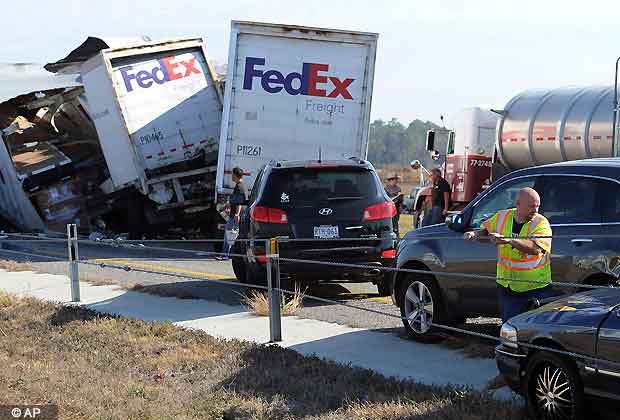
(21, 84)
(154, 106)
(15, 205)
(134, 150)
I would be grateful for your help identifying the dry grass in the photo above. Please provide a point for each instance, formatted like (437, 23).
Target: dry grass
(10, 265)
(408, 177)
(405, 224)
(102, 367)
(258, 302)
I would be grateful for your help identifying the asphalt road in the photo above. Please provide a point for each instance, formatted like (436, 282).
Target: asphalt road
(190, 269)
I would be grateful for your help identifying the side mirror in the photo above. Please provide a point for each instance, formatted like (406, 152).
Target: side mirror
(450, 221)
(430, 141)
(533, 303)
(456, 222)
(435, 156)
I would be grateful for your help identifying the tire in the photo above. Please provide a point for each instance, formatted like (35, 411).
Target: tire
(255, 274)
(420, 327)
(384, 287)
(239, 263)
(549, 375)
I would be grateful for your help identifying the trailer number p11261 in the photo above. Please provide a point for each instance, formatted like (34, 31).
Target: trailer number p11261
(247, 150)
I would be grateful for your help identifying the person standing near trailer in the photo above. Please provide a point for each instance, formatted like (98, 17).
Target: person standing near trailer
(235, 206)
(395, 193)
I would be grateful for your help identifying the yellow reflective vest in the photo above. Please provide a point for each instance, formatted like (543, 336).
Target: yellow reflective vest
(515, 265)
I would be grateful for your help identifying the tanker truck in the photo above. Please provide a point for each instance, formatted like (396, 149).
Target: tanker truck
(536, 127)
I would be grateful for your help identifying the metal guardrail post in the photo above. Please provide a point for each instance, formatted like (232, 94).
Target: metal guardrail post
(273, 285)
(74, 275)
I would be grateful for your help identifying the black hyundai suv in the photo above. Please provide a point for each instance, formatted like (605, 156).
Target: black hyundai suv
(334, 211)
(581, 200)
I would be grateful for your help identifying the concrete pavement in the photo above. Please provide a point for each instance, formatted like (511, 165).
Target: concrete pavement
(384, 353)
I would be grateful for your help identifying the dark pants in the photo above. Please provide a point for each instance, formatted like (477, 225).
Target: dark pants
(513, 303)
(395, 220)
(433, 216)
(226, 246)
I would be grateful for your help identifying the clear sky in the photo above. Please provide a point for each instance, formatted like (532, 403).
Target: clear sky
(434, 57)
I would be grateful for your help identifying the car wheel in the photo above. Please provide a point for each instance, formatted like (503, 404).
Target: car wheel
(383, 287)
(421, 306)
(255, 274)
(553, 388)
(239, 263)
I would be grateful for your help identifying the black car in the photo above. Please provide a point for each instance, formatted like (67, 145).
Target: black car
(581, 200)
(555, 385)
(331, 204)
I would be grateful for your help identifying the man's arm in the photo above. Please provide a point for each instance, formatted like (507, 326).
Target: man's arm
(526, 246)
(445, 191)
(476, 235)
(484, 233)
(535, 246)
(446, 201)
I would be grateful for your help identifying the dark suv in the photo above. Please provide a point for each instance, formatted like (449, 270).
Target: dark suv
(327, 203)
(581, 199)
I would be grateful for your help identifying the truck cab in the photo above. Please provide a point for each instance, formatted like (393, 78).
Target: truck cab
(467, 153)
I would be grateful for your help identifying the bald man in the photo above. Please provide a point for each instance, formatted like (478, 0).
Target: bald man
(523, 241)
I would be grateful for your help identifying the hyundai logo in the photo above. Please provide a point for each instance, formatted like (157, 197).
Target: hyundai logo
(325, 211)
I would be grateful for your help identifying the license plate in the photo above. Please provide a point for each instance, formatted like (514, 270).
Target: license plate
(326, 232)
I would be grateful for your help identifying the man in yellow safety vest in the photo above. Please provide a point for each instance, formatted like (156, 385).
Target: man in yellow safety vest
(523, 265)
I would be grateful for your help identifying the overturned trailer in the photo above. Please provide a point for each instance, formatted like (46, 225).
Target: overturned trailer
(129, 144)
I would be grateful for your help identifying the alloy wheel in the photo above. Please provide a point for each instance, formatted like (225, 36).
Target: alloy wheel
(552, 394)
(419, 307)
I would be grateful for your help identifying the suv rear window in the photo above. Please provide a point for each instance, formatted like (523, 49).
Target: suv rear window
(312, 185)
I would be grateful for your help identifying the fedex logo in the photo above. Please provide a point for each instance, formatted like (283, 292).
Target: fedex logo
(312, 80)
(167, 70)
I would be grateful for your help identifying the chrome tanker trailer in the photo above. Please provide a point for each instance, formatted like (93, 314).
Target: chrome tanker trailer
(536, 127)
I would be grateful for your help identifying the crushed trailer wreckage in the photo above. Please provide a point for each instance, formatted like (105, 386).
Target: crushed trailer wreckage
(116, 137)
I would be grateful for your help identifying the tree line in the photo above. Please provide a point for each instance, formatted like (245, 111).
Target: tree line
(392, 143)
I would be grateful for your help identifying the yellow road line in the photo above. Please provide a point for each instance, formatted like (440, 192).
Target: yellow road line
(381, 299)
(166, 269)
(142, 265)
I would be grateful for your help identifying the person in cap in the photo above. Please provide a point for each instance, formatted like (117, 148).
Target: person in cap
(396, 195)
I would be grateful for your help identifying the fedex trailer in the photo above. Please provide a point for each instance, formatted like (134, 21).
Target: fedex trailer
(294, 92)
(132, 148)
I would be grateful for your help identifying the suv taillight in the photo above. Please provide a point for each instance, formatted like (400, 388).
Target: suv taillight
(388, 253)
(385, 210)
(268, 215)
